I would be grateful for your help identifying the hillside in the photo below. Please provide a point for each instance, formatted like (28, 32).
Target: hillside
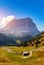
(37, 40)
(6, 41)
(9, 58)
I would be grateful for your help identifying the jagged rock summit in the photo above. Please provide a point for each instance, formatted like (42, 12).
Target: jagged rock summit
(21, 27)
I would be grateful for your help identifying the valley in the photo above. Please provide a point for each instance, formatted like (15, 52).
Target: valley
(21, 32)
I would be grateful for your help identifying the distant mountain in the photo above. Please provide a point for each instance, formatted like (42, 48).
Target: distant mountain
(4, 40)
(21, 27)
(23, 39)
(18, 29)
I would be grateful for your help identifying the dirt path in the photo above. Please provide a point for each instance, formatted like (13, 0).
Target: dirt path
(30, 51)
(9, 50)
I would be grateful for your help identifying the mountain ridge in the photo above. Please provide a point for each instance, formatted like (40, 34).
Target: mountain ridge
(20, 27)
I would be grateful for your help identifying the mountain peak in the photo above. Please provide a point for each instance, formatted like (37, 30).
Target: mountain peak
(21, 27)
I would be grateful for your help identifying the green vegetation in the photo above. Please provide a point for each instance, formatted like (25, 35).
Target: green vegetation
(7, 58)
(12, 55)
(35, 41)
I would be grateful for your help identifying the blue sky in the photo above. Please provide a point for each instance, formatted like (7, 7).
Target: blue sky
(24, 8)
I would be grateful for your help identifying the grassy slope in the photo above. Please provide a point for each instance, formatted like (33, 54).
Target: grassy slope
(7, 58)
(37, 58)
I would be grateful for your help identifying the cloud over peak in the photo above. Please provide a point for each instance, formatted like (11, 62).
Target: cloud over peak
(6, 20)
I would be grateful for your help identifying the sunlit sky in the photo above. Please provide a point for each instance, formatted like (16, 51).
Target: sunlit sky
(24, 8)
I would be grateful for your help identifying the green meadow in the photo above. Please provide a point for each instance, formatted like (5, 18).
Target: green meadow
(11, 57)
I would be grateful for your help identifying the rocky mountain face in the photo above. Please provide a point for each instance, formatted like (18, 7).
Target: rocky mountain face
(18, 29)
(21, 27)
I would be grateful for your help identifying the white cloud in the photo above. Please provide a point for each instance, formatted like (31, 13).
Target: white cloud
(6, 20)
